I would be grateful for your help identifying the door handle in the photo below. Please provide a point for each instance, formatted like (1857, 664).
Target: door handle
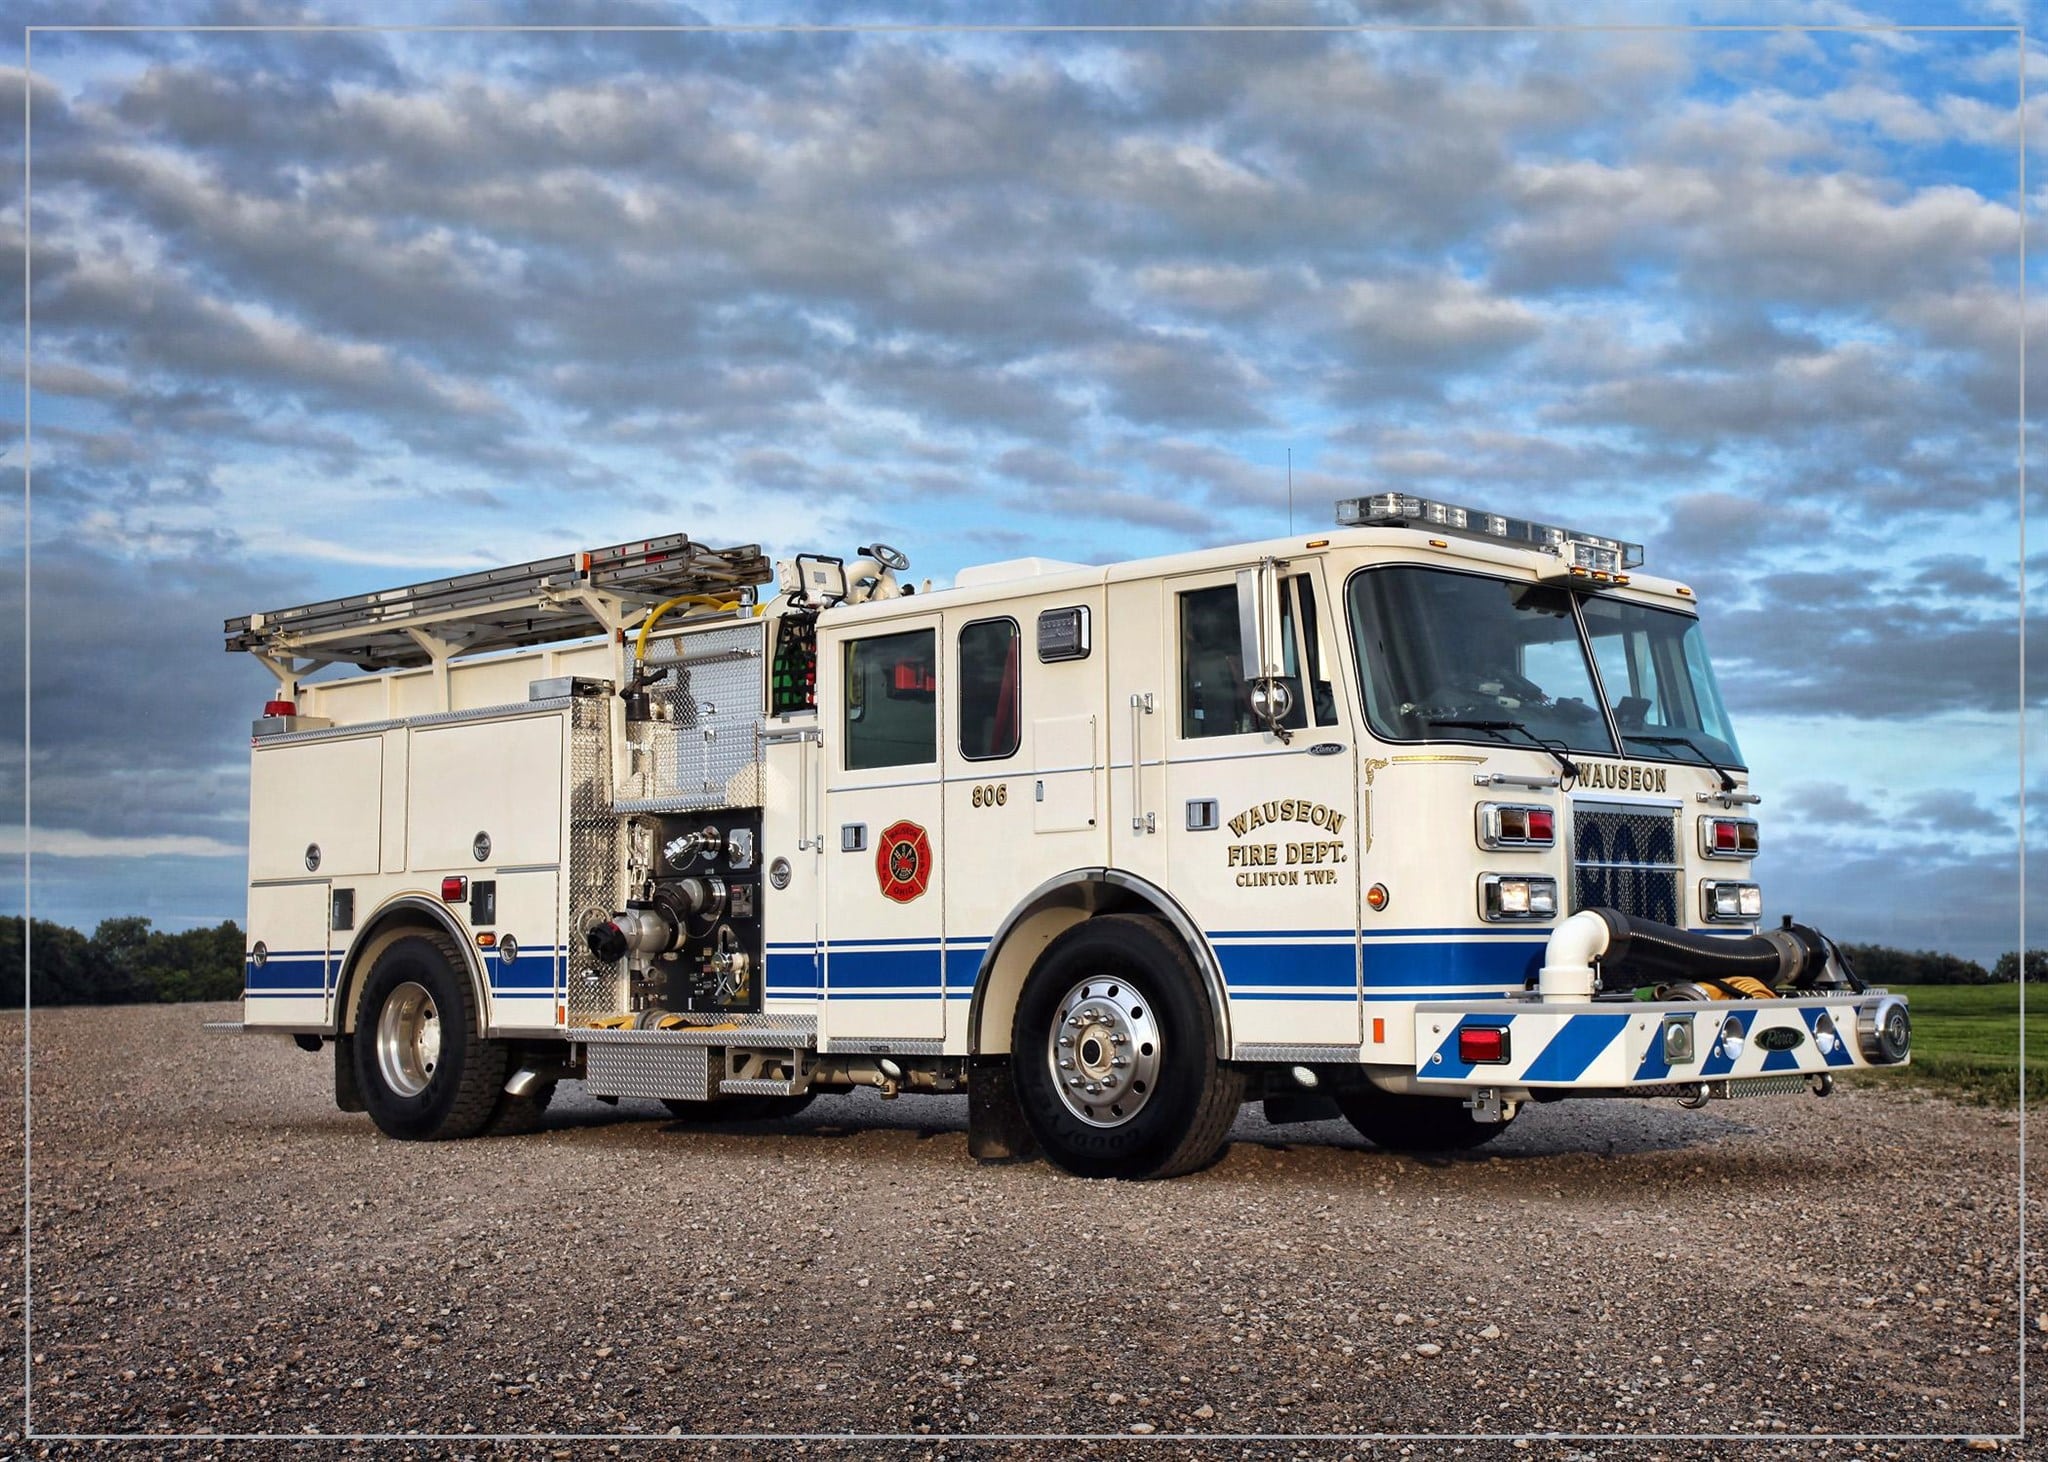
(1141, 707)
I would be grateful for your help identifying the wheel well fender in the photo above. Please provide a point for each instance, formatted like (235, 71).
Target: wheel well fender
(1051, 909)
(406, 914)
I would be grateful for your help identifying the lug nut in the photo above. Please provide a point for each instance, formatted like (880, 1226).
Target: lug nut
(1110, 1082)
(1066, 1063)
(1119, 1061)
(1095, 1088)
(1066, 1041)
(1076, 1022)
(1119, 1039)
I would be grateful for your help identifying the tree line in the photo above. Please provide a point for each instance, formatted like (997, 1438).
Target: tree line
(122, 962)
(1878, 964)
(127, 962)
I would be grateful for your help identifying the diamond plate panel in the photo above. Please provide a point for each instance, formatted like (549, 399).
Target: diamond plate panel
(593, 894)
(664, 1073)
(1625, 857)
(707, 752)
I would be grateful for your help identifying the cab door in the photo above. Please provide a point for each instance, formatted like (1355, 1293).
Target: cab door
(1262, 830)
(880, 703)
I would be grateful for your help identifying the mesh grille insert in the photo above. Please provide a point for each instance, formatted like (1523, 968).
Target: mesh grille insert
(1625, 857)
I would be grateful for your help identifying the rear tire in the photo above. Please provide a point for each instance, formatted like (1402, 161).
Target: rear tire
(1403, 1123)
(740, 1108)
(1113, 1053)
(425, 1072)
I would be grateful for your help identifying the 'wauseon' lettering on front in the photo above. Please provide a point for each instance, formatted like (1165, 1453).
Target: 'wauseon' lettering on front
(1622, 778)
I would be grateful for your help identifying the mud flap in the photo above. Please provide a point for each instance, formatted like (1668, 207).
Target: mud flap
(346, 1096)
(996, 1129)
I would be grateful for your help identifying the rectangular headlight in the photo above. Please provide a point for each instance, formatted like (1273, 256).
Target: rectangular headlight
(1723, 901)
(1505, 896)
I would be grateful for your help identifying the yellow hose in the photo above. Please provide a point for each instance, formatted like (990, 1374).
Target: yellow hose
(647, 625)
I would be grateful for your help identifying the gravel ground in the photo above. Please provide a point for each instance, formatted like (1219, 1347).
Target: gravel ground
(216, 1249)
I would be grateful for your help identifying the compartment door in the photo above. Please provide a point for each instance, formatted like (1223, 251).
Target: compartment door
(291, 984)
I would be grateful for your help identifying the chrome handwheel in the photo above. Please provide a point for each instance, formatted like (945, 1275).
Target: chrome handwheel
(1105, 1051)
(408, 1039)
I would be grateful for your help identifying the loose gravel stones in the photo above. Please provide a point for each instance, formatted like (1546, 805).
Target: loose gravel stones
(217, 1249)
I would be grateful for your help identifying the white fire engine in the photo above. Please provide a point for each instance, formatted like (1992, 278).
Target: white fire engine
(1417, 820)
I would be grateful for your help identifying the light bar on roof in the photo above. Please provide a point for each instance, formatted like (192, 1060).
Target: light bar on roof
(1586, 552)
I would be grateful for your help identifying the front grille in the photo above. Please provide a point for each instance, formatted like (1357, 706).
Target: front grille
(1625, 857)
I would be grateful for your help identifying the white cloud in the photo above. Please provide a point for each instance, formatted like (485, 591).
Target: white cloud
(77, 843)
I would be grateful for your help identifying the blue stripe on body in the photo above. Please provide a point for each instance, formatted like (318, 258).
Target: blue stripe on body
(918, 971)
(1453, 965)
(286, 974)
(1313, 966)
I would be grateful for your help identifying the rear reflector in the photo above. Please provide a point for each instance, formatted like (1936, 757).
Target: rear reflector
(454, 889)
(1483, 1045)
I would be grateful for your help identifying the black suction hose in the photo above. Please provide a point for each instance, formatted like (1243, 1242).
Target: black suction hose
(1643, 951)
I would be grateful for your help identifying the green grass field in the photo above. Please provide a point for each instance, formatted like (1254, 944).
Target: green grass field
(1966, 1041)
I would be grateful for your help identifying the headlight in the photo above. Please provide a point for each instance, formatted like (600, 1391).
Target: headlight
(1505, 896)
(1724, 902)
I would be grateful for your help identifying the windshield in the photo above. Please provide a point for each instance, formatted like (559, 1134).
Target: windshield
(1436, 646)
(1653, 666)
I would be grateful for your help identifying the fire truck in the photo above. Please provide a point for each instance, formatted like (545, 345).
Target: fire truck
(1418, 820)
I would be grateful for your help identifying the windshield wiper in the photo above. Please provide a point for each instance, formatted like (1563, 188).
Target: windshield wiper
(1727, 782)
(1570, 767)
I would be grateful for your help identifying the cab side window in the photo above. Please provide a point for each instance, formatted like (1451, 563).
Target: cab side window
(892, 704)
(1213, 695)
(990, 696)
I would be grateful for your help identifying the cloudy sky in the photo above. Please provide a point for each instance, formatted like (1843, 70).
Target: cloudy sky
(321, 313)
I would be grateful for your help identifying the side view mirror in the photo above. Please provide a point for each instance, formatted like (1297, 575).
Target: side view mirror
(1258, 621)
(1272, 702)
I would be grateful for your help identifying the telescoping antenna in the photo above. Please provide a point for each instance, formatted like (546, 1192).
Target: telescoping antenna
(1290, 492)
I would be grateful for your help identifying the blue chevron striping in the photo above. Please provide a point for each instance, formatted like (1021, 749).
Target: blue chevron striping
(1840, 1056)
(1719, 1062)
(1575, 1047)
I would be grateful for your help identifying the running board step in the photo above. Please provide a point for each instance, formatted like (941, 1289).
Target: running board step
(758, 1086)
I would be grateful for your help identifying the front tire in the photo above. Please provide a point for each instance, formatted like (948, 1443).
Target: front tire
(425, 1071)
(1404, 1123)
(1113, 1053)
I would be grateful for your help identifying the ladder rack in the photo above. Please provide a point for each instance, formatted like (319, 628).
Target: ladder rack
(570, 596)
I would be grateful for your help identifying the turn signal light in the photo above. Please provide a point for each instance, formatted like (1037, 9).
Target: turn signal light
(1516, 825)
(454, 889)
(1728, 837)
(1483, 1045)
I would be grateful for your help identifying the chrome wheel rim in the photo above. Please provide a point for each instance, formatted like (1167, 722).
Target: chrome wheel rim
(1104, 1051)
(408, 1039)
